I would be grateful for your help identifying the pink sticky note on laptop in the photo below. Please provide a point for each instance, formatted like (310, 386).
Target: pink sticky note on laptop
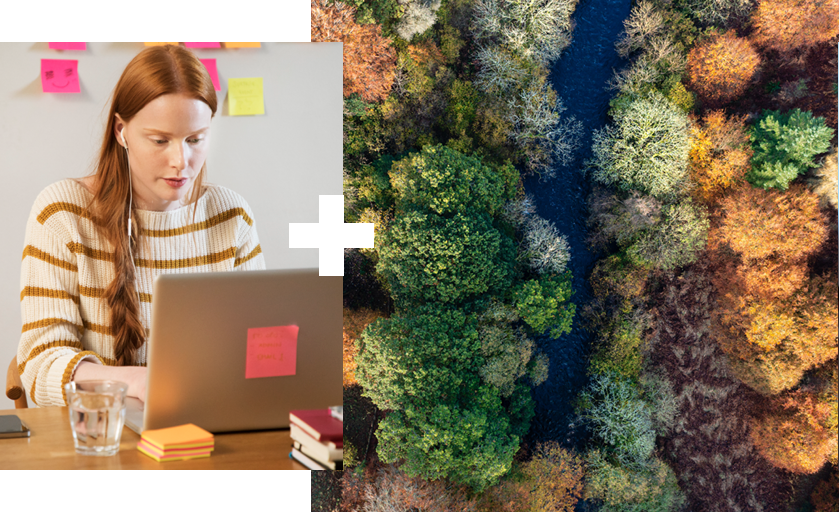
(272, 351)
(60, 75)
(210, 64)
(68, 46)
(202, 45)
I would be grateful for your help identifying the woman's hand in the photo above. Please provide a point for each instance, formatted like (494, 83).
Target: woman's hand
(134, 376)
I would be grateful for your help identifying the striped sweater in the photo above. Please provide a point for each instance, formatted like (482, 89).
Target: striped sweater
(67, 266)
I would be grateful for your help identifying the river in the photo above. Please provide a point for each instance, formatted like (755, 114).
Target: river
(579, 77)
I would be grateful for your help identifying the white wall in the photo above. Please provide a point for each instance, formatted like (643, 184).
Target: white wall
(279, 162)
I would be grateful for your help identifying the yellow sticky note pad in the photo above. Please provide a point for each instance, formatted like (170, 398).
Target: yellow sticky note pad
(159, 44)
(242, 45)
(245, 96)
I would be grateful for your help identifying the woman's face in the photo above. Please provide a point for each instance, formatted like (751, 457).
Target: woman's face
(167, 145)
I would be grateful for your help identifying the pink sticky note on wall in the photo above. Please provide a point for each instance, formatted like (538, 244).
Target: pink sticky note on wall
(60, 75)
(210, 64)
(202, 45)
(68, 46)
(272, 351)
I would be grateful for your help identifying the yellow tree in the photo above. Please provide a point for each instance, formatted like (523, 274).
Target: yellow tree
(719, 154)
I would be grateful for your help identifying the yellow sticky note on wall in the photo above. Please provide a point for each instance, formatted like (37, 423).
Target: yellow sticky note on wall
(159, 44)
(245, 95)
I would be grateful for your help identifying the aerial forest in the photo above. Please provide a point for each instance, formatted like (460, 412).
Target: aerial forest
(605, 265)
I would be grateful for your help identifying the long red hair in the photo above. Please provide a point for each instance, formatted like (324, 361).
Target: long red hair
(155, 71)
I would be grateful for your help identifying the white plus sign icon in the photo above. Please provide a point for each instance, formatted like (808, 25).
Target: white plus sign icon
(330, 235)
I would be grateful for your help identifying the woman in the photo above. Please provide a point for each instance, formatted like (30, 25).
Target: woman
(86, 284)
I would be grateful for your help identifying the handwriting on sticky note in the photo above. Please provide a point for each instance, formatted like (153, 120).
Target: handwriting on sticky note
(68, 46)
(60, 75)
(210, 64)
(202, 45)
(271, 351)
(242, 45)
(245, 96)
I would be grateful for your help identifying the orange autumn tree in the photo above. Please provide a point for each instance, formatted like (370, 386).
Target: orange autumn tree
(773, 343)
(799, 431)
(369, 60)
(719, 154)
(758, 224)
(774, 321)
(721, 68)
(785, 25)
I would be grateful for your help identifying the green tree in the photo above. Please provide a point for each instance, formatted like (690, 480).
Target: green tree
(428, 258)
(543, 304)
(619, 345)
(673, 242)
(784, 146)
(383, 12)
(445, 181)
(508, 354)
(645, 149)
(431, 354)
(650, 488)
(470, 441)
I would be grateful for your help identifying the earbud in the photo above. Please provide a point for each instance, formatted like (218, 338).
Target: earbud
(122, 134)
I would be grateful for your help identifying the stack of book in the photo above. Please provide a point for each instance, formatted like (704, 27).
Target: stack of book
(318, 437)
(176, 443)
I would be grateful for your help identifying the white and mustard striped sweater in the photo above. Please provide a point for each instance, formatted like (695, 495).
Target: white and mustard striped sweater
(67, 266)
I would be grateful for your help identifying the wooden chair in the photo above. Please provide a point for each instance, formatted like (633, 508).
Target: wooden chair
(14, 388)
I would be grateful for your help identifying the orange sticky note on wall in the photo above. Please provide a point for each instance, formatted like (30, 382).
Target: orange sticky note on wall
(271, 352)
(242, 45)
(159, 44)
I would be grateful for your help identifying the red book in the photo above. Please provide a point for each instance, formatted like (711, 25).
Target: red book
(319, 424)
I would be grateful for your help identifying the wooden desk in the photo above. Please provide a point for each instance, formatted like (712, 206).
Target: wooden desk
(50, 446)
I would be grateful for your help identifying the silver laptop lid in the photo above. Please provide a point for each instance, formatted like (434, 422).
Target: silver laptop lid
(198, 347)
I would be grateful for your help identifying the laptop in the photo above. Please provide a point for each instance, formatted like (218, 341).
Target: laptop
(221, 353)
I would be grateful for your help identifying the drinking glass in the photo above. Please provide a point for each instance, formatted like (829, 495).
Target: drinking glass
(97, 414)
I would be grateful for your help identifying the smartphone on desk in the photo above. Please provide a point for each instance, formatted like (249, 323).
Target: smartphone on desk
(11, 426)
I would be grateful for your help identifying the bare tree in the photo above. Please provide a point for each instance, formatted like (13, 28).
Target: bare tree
(545, 249)
(518, 211)
(498, 70)
(539, 128)
(642, 24)
(419, 16)
(540, 29)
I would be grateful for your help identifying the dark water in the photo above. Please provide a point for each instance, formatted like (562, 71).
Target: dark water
(579, 77)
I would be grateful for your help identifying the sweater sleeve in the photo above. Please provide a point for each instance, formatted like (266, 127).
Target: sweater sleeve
(249, 253)
(50, 345)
